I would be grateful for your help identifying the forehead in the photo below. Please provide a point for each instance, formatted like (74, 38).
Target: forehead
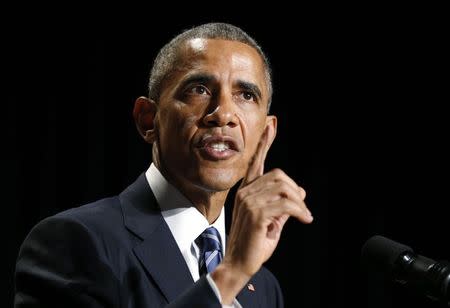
(231, 58)
(221, 50)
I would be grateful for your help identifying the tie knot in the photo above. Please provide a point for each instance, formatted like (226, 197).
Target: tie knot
(209, 240)
(210, 250)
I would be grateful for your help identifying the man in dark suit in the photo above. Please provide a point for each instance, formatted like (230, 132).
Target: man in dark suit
(161, 242)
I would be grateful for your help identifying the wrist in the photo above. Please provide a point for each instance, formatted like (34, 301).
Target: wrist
(229, 281)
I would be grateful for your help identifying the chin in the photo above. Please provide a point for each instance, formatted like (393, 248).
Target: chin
(217, 179)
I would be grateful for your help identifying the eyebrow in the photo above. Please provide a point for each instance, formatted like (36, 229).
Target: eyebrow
(203, 78)
(250, 87)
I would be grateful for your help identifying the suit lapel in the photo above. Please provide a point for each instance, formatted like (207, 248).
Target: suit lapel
(248, 296)
(162, 259)
(158, 252)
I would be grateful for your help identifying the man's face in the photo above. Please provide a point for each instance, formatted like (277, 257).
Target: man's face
(211, 113)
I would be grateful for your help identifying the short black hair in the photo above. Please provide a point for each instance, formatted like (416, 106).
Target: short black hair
(167, 56)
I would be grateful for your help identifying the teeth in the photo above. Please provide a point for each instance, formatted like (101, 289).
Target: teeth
(220, 146)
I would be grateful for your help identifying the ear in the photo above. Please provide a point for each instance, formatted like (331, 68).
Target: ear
(144, 114)
(271, 125)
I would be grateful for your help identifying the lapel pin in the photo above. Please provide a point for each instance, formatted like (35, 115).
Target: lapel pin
(251, 287)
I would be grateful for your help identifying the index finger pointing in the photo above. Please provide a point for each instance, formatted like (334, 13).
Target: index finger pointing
(256, 165)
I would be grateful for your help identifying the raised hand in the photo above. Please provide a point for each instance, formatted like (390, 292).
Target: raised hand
(262, 206)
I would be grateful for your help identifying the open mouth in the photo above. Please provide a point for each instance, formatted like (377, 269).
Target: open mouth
(218, 147)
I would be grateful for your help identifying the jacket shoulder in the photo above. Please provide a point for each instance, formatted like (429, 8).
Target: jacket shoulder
(99, 214)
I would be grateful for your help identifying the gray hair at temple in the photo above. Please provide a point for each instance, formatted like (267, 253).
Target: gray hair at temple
(167, 56)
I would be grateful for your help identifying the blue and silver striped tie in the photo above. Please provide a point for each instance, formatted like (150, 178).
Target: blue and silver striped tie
(210, 250)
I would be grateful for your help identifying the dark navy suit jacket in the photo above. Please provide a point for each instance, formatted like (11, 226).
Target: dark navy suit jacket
(118, 252)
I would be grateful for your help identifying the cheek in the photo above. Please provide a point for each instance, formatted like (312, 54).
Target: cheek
(252, 127)
(189, 123)
(179, 127)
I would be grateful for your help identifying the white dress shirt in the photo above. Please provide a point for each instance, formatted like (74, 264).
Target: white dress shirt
(186, 223)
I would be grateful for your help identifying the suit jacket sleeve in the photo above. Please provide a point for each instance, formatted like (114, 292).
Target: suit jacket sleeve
(62, 263)
(59, 266)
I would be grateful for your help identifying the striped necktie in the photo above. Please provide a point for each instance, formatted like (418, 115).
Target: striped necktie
(210, 250)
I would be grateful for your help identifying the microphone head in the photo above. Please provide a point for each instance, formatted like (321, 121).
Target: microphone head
(385, 256)
(382, 253)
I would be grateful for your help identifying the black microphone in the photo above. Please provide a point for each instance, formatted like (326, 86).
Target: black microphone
(404, 266)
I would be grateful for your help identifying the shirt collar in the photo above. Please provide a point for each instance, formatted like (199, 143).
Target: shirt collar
(184, 220)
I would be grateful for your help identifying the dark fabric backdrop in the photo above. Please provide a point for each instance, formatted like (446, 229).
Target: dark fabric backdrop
(360, 96)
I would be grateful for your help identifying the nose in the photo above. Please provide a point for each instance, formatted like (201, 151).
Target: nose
(223, 112)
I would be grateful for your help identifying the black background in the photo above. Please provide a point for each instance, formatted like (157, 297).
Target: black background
(360, 94)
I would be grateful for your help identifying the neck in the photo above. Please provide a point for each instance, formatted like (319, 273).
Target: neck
(207, 201)
(210, 204)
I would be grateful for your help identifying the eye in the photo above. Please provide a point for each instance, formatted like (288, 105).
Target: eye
(248, 96)
(197, 90)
